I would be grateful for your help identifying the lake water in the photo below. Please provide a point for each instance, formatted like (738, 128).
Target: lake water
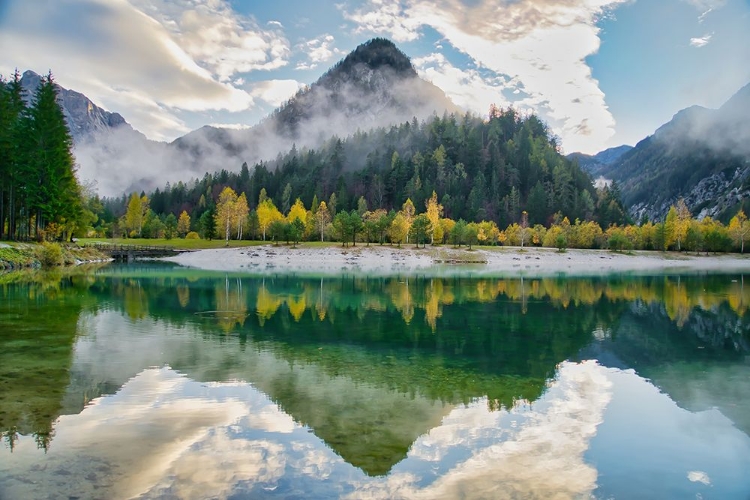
(151, 381)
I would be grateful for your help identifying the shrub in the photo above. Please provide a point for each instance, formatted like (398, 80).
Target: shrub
(619, 242)
(192, 235)
(50, 254)
(561, 242)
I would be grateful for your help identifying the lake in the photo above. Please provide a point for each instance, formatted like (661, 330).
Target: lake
(156, 381)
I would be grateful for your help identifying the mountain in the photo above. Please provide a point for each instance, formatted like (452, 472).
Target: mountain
(374, 86)
(84, 118)
(595, 164)
(701, 155)
(108, 150)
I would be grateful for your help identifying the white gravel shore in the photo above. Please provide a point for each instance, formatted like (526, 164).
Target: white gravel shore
(446, 260)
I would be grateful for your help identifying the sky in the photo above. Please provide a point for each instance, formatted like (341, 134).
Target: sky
(601, 73)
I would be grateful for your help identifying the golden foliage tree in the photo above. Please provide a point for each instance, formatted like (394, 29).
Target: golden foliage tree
(739, 230)
(241, 211)
(225, 211)
(267, 214)
(322, 218)
(434, 212)
(183, 224)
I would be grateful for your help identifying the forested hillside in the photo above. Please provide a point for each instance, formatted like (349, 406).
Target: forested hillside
(481, 170)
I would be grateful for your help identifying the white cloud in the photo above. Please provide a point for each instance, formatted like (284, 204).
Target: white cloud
(218, 38)
(542, 45)
(701, 41)
(385, 16)
(522, 453)
(706, 5)
(275, 92)
(318, 50)
(148, 60)
(468, 89)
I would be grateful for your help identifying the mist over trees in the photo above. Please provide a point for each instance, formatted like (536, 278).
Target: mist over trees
(490, 170)
(39, 194)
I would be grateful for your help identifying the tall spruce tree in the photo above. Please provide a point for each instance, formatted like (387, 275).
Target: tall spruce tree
(11, 109)
(48, 189)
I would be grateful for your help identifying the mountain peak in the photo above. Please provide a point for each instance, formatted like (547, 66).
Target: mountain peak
(84, 118)
(374, 85)
(377, 53)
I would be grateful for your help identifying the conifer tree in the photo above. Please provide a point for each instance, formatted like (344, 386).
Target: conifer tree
(11, 109)
(51, 191)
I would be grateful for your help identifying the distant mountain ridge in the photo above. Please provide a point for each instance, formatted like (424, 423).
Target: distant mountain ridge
(595, 164)
(701, 155)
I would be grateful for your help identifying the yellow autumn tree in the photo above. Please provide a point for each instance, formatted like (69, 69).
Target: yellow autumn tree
(434, 212)
(267, 214)
(134, 215)
(241, 211)
(225, 212)
(739, 230)
(183, 224)
(399, 229)
(322, 218)
(408, 211)
(297, 211)
(682, 223)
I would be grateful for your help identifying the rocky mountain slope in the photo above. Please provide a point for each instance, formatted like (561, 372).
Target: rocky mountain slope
(85, 119)
(701, 155)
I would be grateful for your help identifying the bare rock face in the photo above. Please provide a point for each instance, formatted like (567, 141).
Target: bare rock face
(84, 118)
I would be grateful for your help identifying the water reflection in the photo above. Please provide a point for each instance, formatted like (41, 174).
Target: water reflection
(167, 382)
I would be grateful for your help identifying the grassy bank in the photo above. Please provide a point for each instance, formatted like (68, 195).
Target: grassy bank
(35, 255)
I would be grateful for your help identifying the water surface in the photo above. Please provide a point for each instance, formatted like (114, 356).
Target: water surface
(153, 381)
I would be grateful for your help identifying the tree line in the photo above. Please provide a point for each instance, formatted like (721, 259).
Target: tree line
(40, 197)
(232, 219)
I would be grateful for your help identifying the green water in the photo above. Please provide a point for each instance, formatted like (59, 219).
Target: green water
(155, 381)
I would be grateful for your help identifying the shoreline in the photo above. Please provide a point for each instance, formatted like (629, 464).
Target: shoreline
(385, 260)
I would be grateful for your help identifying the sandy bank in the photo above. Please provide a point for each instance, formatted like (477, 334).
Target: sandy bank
(385, 260)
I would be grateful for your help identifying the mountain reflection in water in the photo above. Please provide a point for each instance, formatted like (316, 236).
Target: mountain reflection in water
(160, 381)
